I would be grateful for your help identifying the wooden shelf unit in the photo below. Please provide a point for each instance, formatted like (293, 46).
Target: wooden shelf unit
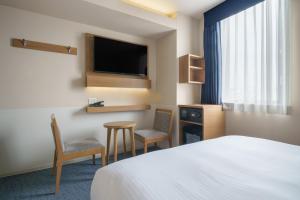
(191, 69)
(213, 121)
(125, 108)
(115, 80)
(98, 79)
(189, 122)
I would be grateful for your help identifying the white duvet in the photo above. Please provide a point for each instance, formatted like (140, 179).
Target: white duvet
(227, 168)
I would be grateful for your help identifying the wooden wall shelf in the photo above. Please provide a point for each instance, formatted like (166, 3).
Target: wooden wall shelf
(95, 79)
(115, 80)
(27, 44)
(191, 69)
(128, 108)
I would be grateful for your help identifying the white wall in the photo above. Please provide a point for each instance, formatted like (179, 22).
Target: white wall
(166, 69)
(167, 75)
(285, 128)
(189, 40)
(34, 84)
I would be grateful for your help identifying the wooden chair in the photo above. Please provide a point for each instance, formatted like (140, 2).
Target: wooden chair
(70, 151)
(162, 129)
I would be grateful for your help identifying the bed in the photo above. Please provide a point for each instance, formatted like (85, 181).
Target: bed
(226, 168)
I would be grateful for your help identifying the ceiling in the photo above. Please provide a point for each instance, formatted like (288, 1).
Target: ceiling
(116, 14)
(106, 15)
(194, 8)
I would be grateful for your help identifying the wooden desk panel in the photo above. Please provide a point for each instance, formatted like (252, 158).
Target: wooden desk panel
(213, 124)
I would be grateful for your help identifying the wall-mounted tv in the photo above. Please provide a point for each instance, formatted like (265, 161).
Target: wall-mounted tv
(114, 56)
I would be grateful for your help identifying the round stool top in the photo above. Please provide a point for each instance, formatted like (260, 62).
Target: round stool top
(120, 124)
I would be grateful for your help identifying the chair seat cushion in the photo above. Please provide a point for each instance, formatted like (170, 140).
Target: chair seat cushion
(82, 145)
(151, 134)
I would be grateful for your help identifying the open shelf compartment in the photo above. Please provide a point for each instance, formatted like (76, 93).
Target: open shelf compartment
(192, 69)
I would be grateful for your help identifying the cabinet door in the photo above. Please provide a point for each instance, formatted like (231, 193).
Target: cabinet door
(213, 122)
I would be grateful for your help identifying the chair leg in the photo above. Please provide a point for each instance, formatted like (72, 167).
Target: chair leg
(145, 147)
(124, 141)
(94, 159)
(58, 174)
(108, 144)
(170, 142)
(132, 141)
(115, 145)
(54, 164)
(103, 162)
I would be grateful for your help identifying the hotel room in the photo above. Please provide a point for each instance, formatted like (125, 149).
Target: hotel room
(150, 99)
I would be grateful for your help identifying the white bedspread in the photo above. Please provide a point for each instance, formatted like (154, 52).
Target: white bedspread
(227, 168)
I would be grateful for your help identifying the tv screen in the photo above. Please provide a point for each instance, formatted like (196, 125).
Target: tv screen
(119, 57)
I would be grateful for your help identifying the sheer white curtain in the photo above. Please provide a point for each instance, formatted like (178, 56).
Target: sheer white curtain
(255, 58)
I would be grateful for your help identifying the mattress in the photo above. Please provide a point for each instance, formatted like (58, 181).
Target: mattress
(226, 168)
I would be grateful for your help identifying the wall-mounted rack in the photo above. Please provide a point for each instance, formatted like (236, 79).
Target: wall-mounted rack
(28, 44)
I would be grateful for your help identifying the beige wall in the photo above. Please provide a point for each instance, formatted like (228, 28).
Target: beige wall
(34, 84)
(285, 128)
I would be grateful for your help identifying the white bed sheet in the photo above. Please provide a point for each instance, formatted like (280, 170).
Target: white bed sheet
(227, 168)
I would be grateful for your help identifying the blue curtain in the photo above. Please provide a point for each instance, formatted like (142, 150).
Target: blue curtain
(227, 9)
(211, 90)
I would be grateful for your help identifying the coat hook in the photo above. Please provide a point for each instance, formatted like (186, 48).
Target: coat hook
(24, 42)
(69, 49)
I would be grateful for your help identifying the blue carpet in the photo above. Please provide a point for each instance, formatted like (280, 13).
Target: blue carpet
(75, 182)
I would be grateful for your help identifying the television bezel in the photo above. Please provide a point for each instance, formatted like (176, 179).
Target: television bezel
(119, 73)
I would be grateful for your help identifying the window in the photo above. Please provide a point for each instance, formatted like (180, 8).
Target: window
(255, 58)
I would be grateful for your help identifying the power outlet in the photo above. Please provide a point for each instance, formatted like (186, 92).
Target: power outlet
(92, 100)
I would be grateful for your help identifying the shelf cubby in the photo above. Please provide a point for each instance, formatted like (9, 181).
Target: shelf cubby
(191, 69)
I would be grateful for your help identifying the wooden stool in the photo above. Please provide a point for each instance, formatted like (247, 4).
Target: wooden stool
(116, 126)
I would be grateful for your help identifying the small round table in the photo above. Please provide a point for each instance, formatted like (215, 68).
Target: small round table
(116, 126)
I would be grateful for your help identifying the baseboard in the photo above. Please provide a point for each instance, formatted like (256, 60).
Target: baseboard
(42, 167)
(49, 165)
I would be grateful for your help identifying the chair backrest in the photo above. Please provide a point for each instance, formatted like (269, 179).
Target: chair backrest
(59, 146)
(163, 120)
